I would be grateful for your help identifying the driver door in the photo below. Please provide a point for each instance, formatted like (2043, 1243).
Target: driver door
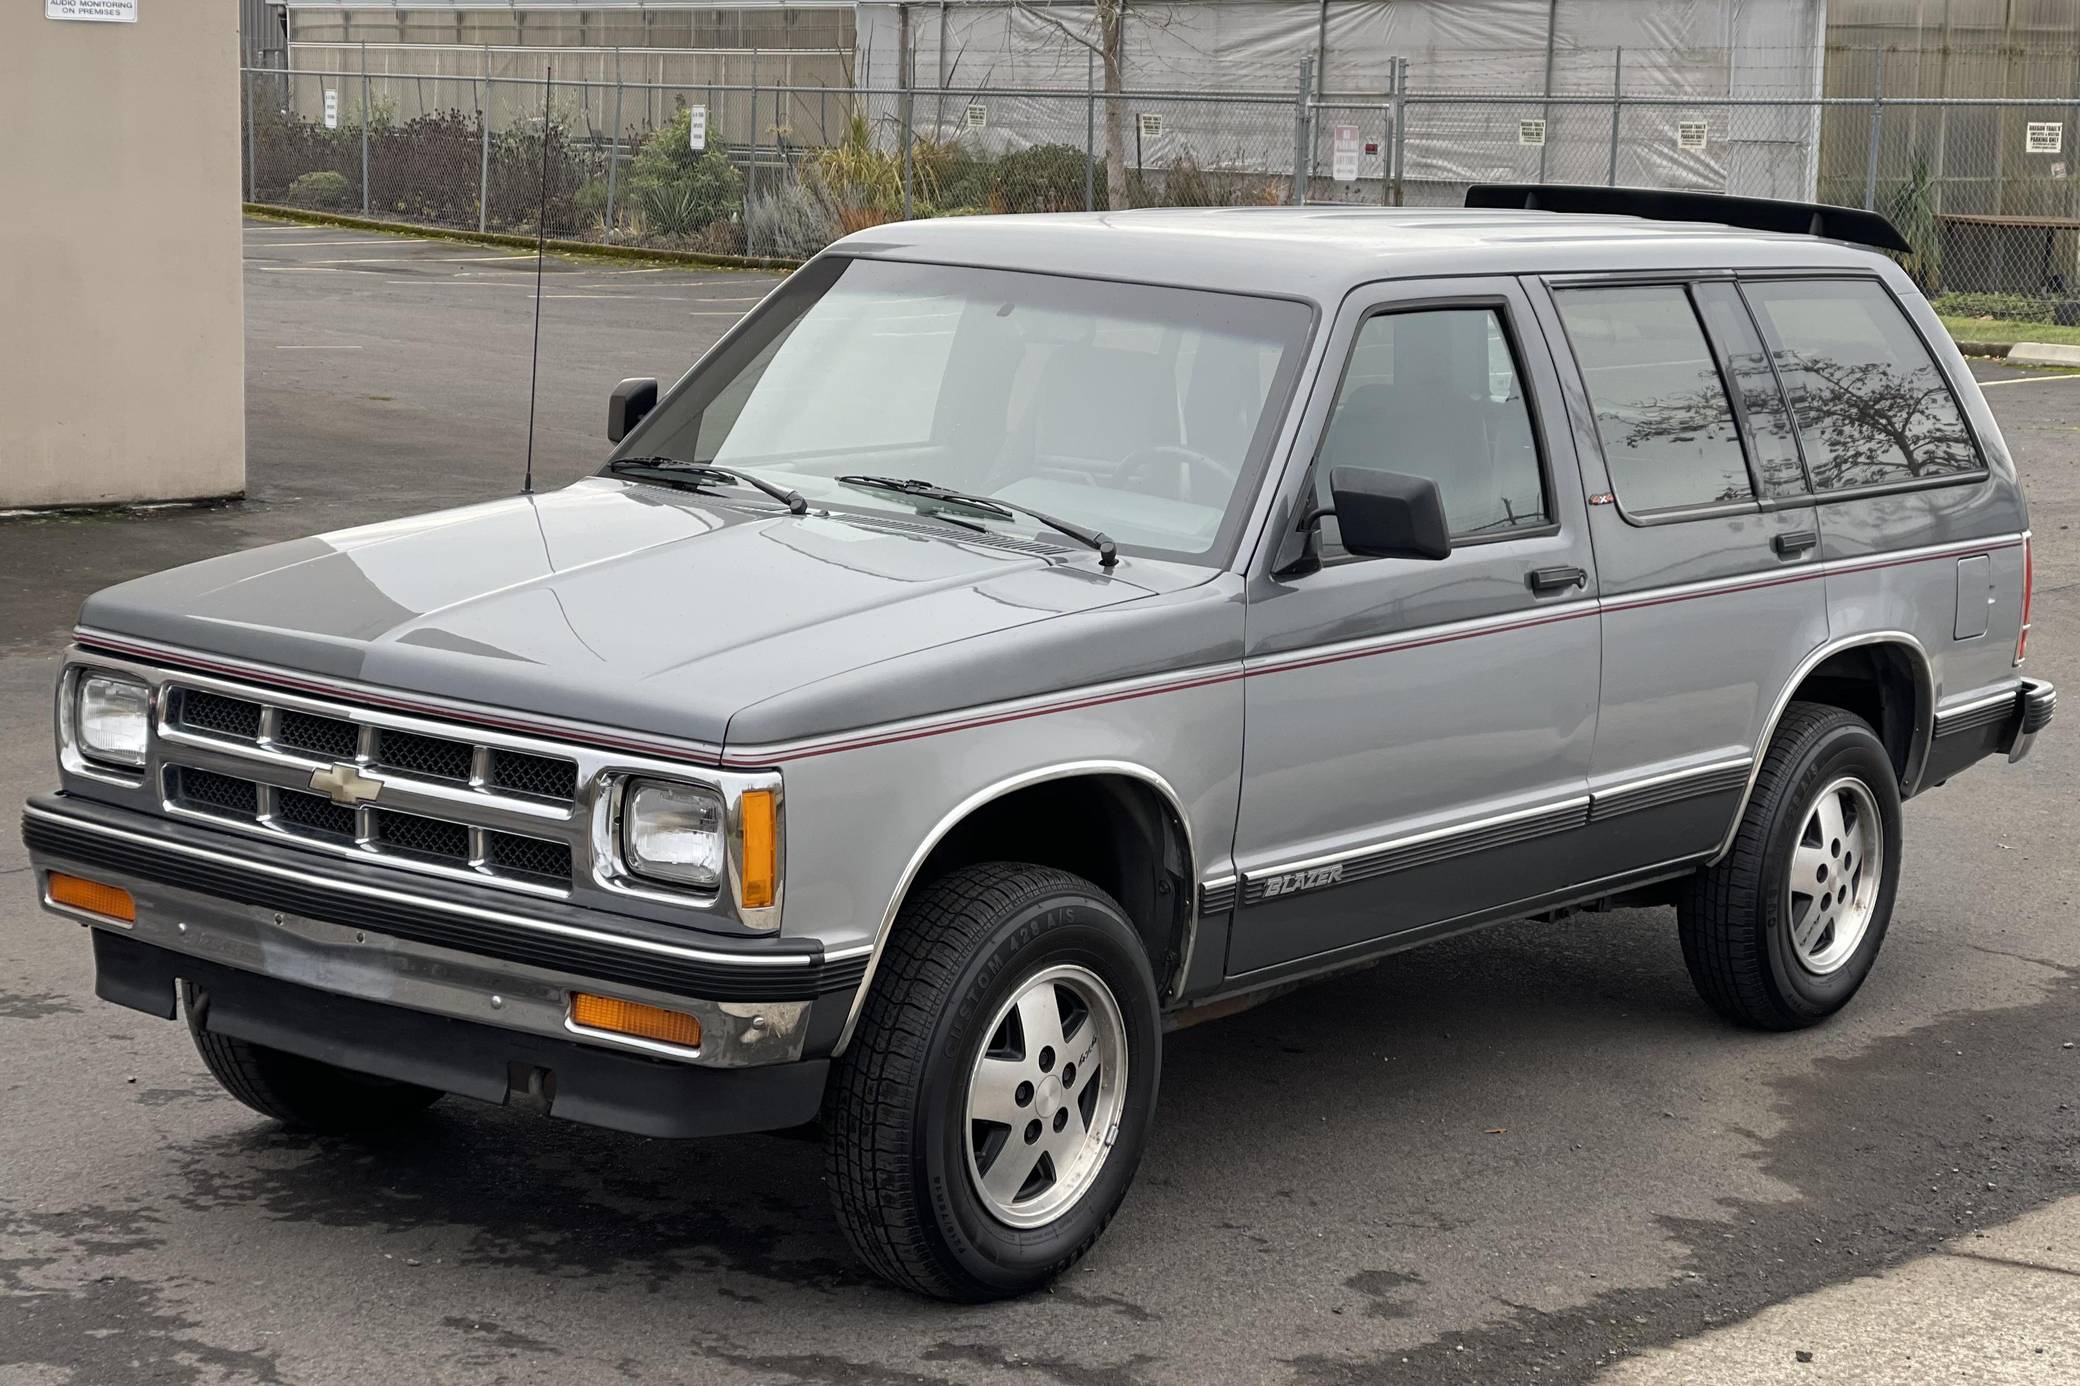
(1419, 731)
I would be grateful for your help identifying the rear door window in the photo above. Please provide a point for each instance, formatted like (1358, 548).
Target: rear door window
(1872, 408)
(1668, 431)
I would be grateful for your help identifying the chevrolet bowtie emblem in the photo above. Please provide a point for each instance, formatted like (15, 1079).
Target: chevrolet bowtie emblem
(345, 785)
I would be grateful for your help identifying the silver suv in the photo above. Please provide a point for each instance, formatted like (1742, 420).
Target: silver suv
(1020, 635)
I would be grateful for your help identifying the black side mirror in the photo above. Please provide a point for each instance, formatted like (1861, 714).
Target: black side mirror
(1389, 514)
(631, 400)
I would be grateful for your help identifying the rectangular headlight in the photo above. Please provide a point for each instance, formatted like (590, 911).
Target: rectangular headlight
(112, 720)
(674, 833)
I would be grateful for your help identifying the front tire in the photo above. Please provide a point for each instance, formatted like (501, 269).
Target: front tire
(1782, 931)
(296, 1091)
(987, 1118)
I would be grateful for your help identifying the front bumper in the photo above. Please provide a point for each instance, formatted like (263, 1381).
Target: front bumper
(561, 1077)
(470, 954)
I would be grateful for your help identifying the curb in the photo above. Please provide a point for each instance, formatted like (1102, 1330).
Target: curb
(2044, 354)
(501, 238)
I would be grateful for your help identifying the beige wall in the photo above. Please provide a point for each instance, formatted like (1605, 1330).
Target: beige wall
(122, 347)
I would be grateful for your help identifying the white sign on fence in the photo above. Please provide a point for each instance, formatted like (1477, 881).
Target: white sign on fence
(697, 127)
(1531, 132)
(1151, 124)
(332, 108)
(1343, 154)
(1693, 134)
(100, 11)
(977, 116)
(2045, 137)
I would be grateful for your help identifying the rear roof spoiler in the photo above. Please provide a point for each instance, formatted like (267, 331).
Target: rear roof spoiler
(1751, 213)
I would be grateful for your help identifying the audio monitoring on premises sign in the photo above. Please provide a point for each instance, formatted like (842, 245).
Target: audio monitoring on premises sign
(102, 11)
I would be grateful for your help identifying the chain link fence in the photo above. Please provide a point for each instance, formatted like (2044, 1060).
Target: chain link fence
(1986, 190)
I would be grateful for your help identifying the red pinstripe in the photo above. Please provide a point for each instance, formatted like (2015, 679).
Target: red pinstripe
(670, 751)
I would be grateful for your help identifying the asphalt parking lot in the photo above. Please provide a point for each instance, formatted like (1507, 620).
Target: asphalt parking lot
(1517, 1156)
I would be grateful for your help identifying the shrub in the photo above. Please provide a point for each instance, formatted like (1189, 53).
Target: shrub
(2012, 307)
(427, 167)
(1044, 178)
(789, 221)
(856, 176)
(673, 209)
(1188, 183)
(517, 157)
(967, 179)
(679, 190)
(323, 188)
(590, 202)
(721, 238)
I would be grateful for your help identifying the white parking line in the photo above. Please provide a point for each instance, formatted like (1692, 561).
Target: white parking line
(422, 260)
(297, 269)
(730, 313)
(2028, 380)
(313, 346)
(376, 240)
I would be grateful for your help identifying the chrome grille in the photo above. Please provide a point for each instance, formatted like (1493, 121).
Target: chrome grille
(313, 813)
(542, 777)
(213, 712)
(331, 737)
(210, 792)
(528, 856)
(433, 756)
(423, 837)
(444, 798)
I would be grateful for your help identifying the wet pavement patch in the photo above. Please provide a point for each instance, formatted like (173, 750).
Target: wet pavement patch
(71, 1309)
(34, 1005)
(1884, 1175)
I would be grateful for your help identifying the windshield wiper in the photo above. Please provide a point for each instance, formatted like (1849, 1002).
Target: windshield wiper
(1108, 552)
(671, 469)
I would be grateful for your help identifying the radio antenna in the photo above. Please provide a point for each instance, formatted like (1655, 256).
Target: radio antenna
(541, 245)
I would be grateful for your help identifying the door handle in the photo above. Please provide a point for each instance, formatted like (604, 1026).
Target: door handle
(1544, 580)
(1795, 541)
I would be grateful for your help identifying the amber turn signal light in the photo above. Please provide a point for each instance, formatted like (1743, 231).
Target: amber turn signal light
(114, 902)
(761, 881)
(633, 1018)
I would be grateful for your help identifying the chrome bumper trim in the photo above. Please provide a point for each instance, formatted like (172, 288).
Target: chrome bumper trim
(375, 967)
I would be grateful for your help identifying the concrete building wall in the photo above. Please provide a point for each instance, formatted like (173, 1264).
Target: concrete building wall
(122, 346)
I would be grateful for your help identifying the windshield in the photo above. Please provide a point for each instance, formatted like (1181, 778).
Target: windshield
(1136, 410)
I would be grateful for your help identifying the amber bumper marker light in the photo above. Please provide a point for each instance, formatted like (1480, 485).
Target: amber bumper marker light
(113, 902)
(760, 813)
(633, 1018)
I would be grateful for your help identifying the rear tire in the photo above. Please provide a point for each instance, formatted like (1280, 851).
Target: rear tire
(1782, 931)
(300, 1092)
(985, 1122)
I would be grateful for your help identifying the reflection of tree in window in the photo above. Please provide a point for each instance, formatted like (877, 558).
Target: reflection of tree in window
(1870, 404)
(1869, 422)
(1667, 428)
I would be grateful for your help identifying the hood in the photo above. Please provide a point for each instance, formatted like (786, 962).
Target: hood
(611, 602)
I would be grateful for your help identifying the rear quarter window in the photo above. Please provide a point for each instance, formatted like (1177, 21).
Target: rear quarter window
(1872, 408)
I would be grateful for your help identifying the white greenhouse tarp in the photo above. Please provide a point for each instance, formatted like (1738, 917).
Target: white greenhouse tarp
(1698, 52)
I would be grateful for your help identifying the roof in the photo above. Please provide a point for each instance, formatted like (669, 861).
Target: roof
(1320, 252)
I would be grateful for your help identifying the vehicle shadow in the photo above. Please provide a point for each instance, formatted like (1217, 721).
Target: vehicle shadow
(1347, 1060)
